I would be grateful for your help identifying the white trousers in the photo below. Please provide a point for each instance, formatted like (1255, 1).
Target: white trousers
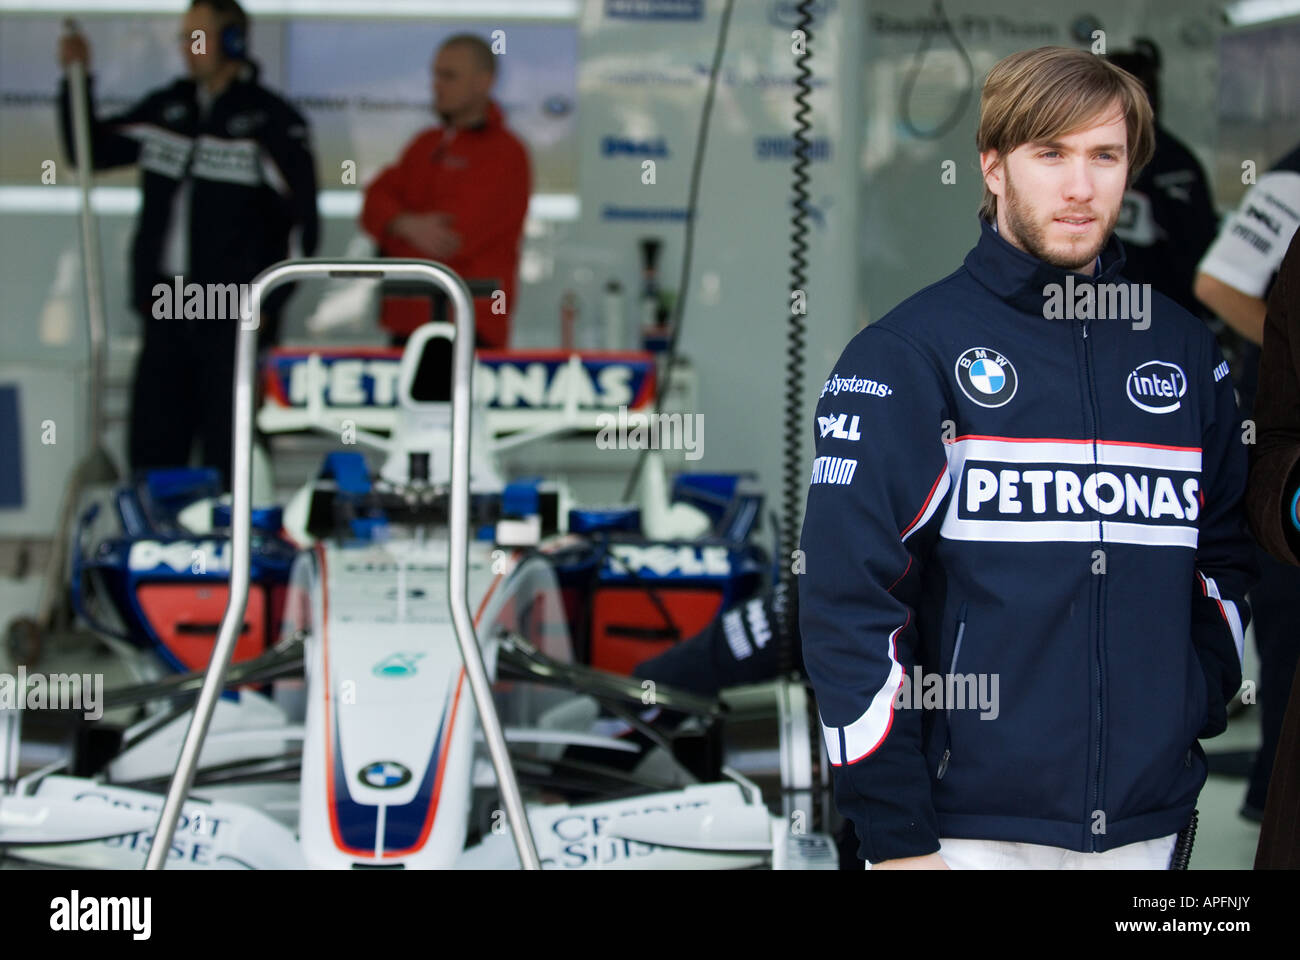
(1006, 855)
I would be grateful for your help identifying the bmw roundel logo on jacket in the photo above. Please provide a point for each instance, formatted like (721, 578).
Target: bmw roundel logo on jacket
(1025, 563)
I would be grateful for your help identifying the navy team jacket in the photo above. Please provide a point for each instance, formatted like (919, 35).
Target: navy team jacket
(1005, 493)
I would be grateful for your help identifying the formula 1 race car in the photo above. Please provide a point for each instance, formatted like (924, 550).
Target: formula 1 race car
(353, 731)
(150, 563)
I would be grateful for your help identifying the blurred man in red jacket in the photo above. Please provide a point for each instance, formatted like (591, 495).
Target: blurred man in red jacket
(457, 195)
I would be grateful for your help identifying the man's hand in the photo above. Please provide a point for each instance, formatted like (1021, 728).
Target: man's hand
(931, 861)
(429, 232)
(73, 48)
(1241, 311)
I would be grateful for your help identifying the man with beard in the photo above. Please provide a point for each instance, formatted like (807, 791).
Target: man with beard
(1029, 481)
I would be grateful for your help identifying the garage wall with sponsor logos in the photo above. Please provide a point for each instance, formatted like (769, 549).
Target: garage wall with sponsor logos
(641, 85)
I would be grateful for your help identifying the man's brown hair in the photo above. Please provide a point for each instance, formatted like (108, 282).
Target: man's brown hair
(1050, 92)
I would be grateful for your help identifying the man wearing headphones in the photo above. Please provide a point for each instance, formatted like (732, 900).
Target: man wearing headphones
(228, 187)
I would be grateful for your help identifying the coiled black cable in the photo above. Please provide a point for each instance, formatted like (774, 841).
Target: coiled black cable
(1183, 848)
(785, 601)
(909, 81)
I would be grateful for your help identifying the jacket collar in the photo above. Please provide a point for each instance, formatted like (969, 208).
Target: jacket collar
(494, 120)
(1019, 278)
(249, 73)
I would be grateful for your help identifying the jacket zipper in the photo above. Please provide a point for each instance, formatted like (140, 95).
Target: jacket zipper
(947, 710)
(1096, 624)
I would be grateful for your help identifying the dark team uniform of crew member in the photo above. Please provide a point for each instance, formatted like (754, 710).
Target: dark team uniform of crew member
(1167, 221)
(228, 187)
(974, 552)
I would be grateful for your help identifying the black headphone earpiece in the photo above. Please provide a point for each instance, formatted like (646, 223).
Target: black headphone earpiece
(234, 42)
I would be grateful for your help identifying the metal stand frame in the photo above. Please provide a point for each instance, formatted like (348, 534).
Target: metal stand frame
(94, 465)
(240, 519)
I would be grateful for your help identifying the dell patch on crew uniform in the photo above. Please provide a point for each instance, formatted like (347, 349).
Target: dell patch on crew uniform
(986, 377)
